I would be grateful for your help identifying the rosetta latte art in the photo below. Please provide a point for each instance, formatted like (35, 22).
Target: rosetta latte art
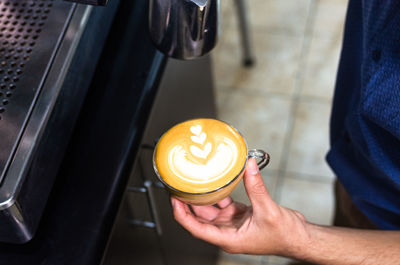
(200, 156)
(215, 162)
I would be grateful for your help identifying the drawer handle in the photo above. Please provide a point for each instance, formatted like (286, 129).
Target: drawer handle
(141, 223)
(147, 189)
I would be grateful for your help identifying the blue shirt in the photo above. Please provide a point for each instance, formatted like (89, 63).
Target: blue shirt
(365, 122)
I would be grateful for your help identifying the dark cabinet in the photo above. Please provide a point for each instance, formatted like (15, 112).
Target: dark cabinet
(145, 231)
(134, 243)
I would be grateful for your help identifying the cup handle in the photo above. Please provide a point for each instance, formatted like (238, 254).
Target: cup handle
(259, 154)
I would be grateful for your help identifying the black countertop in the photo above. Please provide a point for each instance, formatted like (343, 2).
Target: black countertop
(80, 212)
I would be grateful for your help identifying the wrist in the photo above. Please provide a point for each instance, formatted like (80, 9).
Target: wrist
(298, 241)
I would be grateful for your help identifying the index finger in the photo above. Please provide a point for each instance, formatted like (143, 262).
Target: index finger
(225, 202)
(208, 212)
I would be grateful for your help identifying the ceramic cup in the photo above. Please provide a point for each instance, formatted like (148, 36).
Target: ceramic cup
(196, 146)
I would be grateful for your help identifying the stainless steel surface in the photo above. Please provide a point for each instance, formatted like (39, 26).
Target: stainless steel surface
(21, 67)
(184, 29)
(59, 44)
(39, 39)
(38, 72)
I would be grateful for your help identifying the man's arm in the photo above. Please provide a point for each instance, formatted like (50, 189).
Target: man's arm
(336, 245)
(266, 228)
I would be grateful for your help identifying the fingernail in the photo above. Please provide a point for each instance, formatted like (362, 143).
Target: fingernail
(253, 167)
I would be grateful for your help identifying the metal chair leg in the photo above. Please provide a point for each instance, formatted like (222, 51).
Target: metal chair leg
(248, 56)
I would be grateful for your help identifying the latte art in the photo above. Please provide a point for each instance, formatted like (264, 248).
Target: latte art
(215, 167)
(200, 155)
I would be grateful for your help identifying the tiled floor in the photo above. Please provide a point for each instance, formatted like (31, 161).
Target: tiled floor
(283, 103)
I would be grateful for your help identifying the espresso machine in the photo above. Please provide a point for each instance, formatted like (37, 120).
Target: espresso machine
(68, 69)
(39, 78)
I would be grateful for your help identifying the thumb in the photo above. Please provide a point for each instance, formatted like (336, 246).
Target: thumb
(255, 187)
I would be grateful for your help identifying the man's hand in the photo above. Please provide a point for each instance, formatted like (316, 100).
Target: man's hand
(263, 228)
(267, 228)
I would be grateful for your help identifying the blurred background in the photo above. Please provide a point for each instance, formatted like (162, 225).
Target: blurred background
(84, 95)
(282, 104)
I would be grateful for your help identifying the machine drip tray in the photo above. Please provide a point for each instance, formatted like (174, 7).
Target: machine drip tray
(37, 39)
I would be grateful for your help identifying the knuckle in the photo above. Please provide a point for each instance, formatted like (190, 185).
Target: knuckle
(300, 216)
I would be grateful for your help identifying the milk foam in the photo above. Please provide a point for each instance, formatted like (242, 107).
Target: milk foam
(200, 155)
(215, 167)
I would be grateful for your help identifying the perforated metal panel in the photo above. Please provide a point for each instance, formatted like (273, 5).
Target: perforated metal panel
(21, 24)
(29, 34)
(38, 42)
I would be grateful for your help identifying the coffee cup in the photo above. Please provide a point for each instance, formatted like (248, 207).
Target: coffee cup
(201, 161)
